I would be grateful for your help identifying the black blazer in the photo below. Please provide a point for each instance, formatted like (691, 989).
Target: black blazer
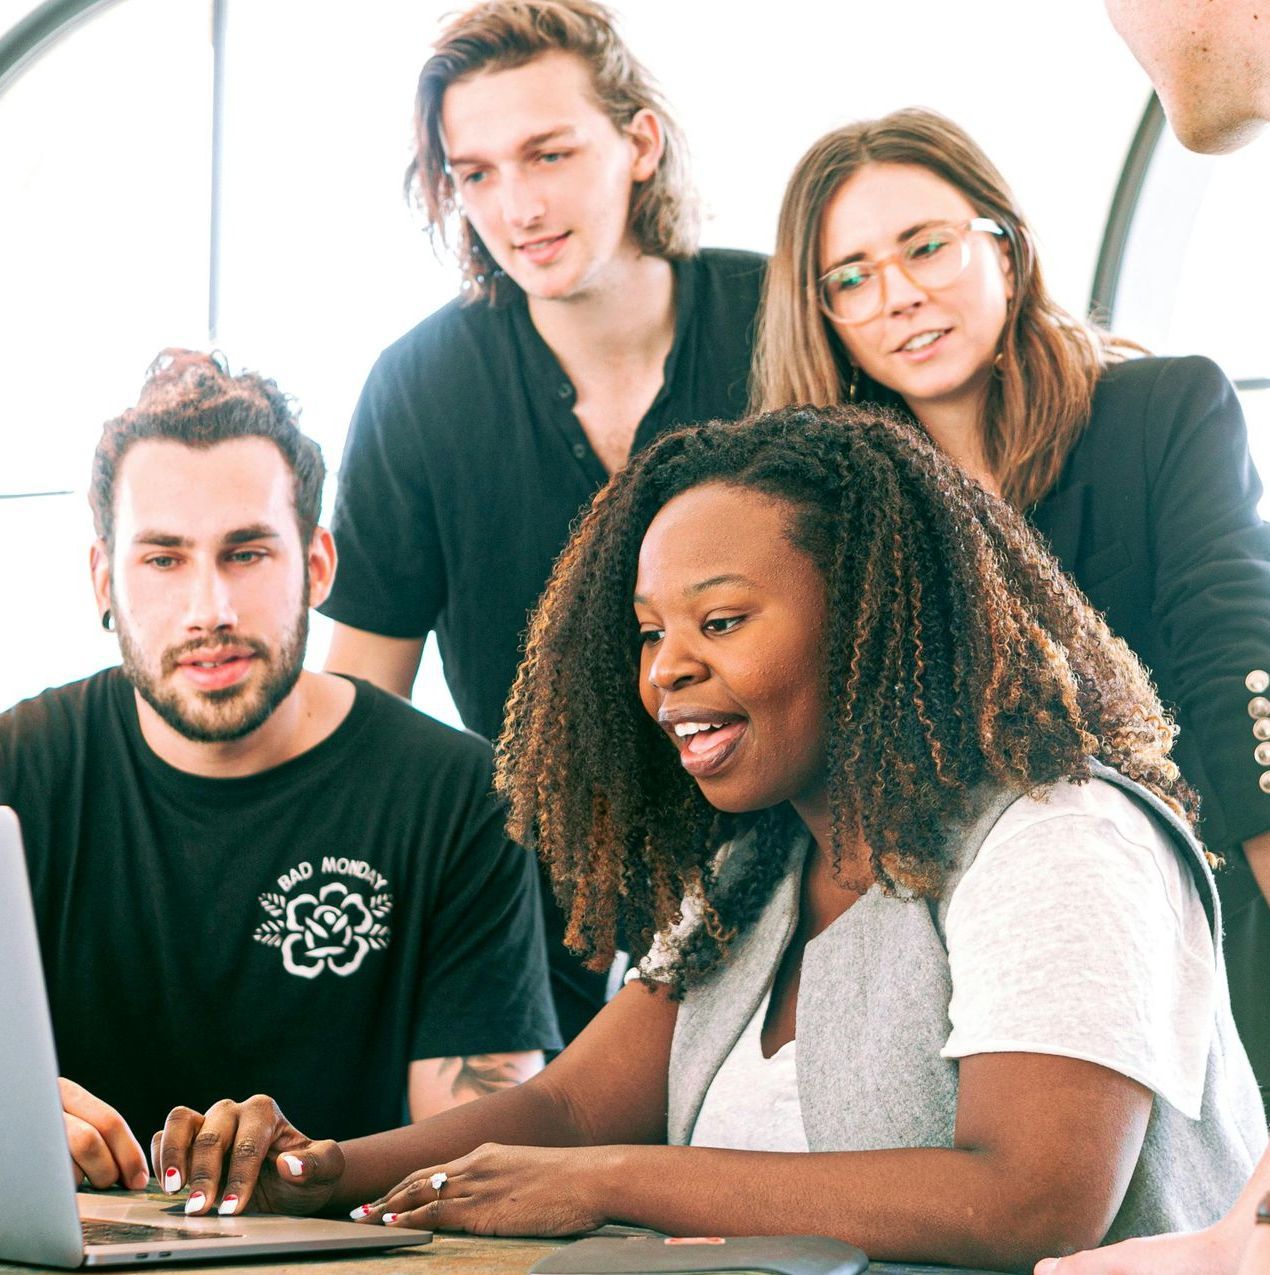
(1155, 517)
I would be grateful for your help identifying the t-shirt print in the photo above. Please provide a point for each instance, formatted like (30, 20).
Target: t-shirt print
(320, 924)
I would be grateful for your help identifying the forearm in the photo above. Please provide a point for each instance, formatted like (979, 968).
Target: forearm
(950, 1206)
(532, 1114)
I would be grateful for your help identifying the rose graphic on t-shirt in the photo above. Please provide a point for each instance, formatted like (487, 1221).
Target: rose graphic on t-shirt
(330, 930)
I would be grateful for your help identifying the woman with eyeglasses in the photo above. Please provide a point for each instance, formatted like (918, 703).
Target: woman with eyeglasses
(906, 274)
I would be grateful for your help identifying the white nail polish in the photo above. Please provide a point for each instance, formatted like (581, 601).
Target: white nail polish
(195, 1202)
(228, 1206)
(389, 1218)
(172, 1180)
(361, 1211)
(295, 1166)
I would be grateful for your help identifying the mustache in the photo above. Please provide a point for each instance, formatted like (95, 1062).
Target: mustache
(173, 656)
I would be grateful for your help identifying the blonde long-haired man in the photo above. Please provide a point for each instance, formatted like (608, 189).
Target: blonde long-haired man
(588, 323)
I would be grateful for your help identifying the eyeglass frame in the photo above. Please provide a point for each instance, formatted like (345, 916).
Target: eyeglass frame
(972, 224)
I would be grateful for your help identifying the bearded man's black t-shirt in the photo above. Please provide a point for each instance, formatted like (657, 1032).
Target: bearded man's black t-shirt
(305, 932)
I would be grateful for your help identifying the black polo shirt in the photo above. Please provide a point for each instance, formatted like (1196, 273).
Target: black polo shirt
(465, 467)
(464, 470)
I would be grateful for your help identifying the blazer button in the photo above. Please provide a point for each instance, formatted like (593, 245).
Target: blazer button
(1261, 728)
(1257, 680)
(1259, 706)
(1264, 781)
(1262, 754)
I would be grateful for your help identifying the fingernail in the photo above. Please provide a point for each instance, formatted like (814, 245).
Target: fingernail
(361, 1211)
(389, 1218)
(172, 1180)
(1045, 1267)
(195, 1202)
(140, 1181)
(228, 1205)
(295, 1166)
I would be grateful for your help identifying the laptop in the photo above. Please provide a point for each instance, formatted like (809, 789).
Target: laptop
(43, 1220)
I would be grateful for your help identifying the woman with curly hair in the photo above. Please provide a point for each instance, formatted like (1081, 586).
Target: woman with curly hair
(935, 957)
(906, 274)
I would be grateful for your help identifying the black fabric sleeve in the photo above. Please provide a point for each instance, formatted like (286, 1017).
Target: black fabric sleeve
(486, 962)
(1212, 586)
(391, 573)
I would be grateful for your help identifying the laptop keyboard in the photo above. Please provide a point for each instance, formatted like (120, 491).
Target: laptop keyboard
(97, 1232)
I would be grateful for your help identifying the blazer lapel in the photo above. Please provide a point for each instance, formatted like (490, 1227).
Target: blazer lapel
(1060, 518)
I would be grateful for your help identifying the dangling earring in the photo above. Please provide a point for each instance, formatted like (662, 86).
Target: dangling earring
(108, 620)
(853, 385)
(998, 364)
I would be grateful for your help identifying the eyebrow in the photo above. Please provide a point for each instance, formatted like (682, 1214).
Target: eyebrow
(562, 132)
(239, 536)
(853, 257)
(703, 586)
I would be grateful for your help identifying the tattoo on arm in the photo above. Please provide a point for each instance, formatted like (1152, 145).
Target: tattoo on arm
(476, 1075)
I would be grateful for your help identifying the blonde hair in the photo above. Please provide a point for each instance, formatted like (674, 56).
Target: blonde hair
(502, 34)
(1049, 361)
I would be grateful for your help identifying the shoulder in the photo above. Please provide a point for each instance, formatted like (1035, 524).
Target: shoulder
(1072, 840)
(432, 346)
(730, 274)
(1162, 383)
(434, 753)
(62, 710)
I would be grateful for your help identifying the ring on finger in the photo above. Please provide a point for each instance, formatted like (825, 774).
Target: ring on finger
(437, 1181)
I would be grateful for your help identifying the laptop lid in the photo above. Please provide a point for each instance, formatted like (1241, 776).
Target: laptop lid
(39, 1206)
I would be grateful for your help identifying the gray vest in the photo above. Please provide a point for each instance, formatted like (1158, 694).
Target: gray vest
(873, 1015)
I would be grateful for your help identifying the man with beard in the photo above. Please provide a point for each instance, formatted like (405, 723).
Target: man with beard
(249, 876)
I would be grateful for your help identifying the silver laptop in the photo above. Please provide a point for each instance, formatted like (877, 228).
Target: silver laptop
(43, 1219)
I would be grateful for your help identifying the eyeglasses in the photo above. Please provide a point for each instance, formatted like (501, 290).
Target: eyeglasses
(930, 258)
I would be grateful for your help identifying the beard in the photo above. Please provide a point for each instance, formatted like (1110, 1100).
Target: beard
(218, 716)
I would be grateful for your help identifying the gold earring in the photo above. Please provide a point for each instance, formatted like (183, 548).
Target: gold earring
(853, 386)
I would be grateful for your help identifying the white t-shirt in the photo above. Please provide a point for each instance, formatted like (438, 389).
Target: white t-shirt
(1077, 931)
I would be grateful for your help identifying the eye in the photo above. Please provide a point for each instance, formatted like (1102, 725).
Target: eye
(648, 637)
(722, 623)
(552, 157)
(849, 278)
(161, 561)
(472, 178)
(245, 557)
(927, 245)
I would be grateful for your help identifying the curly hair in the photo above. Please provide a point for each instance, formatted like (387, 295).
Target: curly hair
(956, 654)
(192, 398)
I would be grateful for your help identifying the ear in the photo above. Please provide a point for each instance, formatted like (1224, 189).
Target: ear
(322, 560)
(649, 143)
(99, 566)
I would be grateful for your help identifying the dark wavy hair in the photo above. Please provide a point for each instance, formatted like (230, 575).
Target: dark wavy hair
(956, 654)
(192, 398)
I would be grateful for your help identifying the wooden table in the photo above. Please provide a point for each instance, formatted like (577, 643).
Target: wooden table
(446, 1255)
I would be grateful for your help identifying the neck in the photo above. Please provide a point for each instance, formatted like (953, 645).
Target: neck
(955, 426)
(317, 704)
(627, 317)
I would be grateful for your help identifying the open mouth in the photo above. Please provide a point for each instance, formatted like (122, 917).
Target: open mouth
(707, 744)
(923, 341)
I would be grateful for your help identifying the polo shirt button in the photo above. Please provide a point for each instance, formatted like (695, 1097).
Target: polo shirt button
(1261, 728)
(579, 450)
(1264, 781)
(1262, 754)
(1259, 706)
(1257, 680)
(564, 390)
